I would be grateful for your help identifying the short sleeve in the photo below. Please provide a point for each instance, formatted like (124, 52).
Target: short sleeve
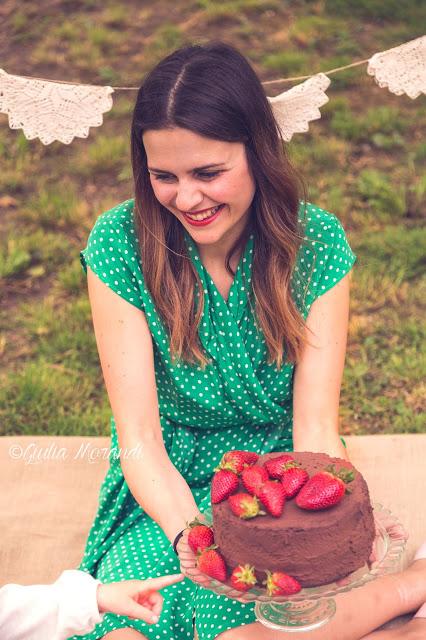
(112, 254)
(325, 256)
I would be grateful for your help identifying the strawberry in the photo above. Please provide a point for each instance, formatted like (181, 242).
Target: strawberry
(251, 457)
(244, 505)
(325, 489)
(236, 461)
(223, 484)
(200, 536)
(253, 478)
(293, 478)
(272, 496)
(274, 466)
(281, 584)
(211, 563)
(243, 578)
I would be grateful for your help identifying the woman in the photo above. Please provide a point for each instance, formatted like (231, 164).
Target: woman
(200, 325)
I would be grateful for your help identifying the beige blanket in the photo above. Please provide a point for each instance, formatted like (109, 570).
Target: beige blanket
(50, 486)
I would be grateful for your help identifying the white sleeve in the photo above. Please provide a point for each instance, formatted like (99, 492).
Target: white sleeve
(56, 611)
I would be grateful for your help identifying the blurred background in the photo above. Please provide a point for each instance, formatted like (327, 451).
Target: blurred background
(364, 160)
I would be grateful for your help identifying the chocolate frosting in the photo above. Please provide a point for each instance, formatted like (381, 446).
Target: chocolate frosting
(315, 547)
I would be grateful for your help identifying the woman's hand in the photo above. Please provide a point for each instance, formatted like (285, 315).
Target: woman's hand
(186, 556)
(188, 561)
(137, 599)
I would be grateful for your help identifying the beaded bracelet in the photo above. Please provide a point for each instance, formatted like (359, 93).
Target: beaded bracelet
(176, 540)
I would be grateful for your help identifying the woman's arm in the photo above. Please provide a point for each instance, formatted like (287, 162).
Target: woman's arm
(318, 374)
(126, 355)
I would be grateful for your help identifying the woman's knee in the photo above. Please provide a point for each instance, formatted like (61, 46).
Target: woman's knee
(124, 634)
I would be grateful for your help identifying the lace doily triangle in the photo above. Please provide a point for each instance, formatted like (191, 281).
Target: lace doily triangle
(295, 108)
(401, 69)
(52, 110)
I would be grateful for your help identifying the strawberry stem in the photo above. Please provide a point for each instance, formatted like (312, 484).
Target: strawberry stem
(195, 523)
(211, 548)
(347, 475)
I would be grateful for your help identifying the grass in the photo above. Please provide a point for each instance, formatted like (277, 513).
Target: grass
(82, 42)
(13, 176)
(320, 32)
(235, 8)
(386, 363)
(286, 62)
(396, 249)
(363, 160)
(377, 191)
(69, 279)
(384, 386)
(389, 11)
(105, 155)
(378, 123)
(47, 398)
(54, 208)
(325, 153)
(35, 250)
(55, 390)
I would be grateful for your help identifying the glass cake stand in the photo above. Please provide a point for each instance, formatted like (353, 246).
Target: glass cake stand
(314, 606)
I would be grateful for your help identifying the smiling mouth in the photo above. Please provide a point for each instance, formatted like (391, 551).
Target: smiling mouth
(206, 214)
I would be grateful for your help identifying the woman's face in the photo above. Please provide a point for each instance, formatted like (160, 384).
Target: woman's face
(185, 181)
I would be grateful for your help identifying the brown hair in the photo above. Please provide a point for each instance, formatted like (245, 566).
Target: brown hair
(213, 91)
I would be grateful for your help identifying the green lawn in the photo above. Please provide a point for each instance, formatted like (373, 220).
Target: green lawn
(364, 161)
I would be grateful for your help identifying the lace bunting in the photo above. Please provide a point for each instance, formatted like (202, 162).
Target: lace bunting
(401, 69)
(295, 108)
(61, 111)
(52, 110)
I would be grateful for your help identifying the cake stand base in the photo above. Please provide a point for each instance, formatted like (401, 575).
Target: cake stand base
(295, 616)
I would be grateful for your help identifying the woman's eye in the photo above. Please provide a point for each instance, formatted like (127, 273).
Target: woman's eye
(163, 178)
(205, 175)
(208, 174)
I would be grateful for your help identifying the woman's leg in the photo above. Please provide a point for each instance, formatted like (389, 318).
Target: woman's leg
(413, 630)
(361, 610)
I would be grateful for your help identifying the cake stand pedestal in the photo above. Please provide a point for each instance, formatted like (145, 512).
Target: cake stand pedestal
(295, 616)
(314, 606)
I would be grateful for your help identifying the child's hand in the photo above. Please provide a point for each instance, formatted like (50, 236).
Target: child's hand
(135, 598)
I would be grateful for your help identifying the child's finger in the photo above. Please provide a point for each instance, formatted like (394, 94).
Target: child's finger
(149, 599)
(137, 611)
(161, 582)
(153, 597)
(156, 602)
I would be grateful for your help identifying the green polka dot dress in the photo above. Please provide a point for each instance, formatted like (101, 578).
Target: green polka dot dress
(238, 402)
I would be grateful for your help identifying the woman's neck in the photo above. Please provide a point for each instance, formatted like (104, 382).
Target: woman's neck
(214, 255)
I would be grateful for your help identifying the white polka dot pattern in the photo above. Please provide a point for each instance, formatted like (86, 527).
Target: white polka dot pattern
(238, 401)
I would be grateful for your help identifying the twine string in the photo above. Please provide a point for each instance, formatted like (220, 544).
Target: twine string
(266, 82)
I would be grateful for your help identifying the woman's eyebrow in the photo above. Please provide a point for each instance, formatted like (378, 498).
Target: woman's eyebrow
(206, 166)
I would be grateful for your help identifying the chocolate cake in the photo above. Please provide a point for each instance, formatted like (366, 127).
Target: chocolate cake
(315, 547)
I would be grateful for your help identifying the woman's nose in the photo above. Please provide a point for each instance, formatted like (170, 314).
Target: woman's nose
(188, 197)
